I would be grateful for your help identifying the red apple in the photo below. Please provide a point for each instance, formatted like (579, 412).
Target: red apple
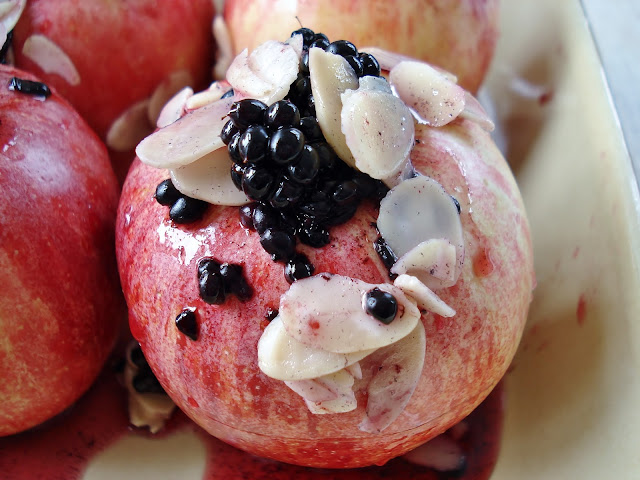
(109, 58)
(61, 305)
(457, 36)
(216, 379)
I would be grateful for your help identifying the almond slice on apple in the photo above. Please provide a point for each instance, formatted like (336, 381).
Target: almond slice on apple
(130, 127)
(426, 298)
(417, 210)
(433, 261)
(282, 357)
(174, 108)
(312, 390)
(10, 11)
(212, 94)
(326, 312)
(175, 82)
(187, 139)
(387, 60)
(267, 73)
(398, 368)
(432, 97)
(378, 129)
(51, 58)
(474, 111)
(340, 382)
(208, 179)
(330, 76)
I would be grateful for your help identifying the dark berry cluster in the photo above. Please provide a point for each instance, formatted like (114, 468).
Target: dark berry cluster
(182, 209)
(216, 281)
(144, 381)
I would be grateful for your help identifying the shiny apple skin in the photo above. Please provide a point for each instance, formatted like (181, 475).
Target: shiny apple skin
(122, 51)
(216, 379)
(458, 36)
(61, 306)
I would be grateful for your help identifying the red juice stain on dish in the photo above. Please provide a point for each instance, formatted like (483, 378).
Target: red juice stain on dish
(63, 447)
(581, 309)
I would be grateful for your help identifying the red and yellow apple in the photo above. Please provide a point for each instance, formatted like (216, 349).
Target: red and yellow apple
(457, 36)
(216, 379)
(61, 306)
(109, 58)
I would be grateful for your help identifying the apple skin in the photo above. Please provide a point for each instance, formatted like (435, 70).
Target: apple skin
(122, 51)
(457, 36)
(61, 307)
(216, 380)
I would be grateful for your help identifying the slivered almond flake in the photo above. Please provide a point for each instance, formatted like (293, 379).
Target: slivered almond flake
(129, 128)
(50, 58)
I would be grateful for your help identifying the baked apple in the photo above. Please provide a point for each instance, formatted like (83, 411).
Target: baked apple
(61, 303)
(325, 266)
(117, 62)
(458, 36)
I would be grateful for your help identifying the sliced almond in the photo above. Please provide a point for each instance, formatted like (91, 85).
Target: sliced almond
(267, 73)
(422, 294)
(417, 210)
(312, 390)
(325, 312)
(341, 383)
(474, 111)
(187, 139)
(282, 357)
(10, 12)
(129, 128)
(434, 99)
(209, 179)
(50, 58)
(433, 261)
(398, 368)
(224, 46)
(388, 60)
(171, 85)
(174, 108)
(379, 131)
(330, 76)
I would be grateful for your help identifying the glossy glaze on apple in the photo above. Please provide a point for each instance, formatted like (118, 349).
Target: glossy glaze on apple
(216, 380)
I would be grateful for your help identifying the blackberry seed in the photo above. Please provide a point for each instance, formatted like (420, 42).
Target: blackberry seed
(237, 174)
(297, 268)
(187, 210)
(370, 65)
(234, 281)
(279, 244)
(265, 217)
(253, 144)
(246, 216)
(381, 305)
(211, 287)
(286, 144)
(166, 193)
(342, 48)
(282, 114)
(228, 131)
(306, 168)
(311, 130)
(187, 324)
(247, 112)
(257, 182)
(356, 64)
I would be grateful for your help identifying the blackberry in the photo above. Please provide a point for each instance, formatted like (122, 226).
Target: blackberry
(370, 65)
(187, 323)
(228, 131)
(356, 64)
(210, 282)
(286, 144)
(166, 193)
(265, 217)
(287, 193)
(253, 144)
(282, 114)
(234, 281)
(297, 268)
(257, 182)
(343, 48)
(187, 210)
(381, 305)
(306, 167)
(308, 36)
(278, 243)
(385, 253)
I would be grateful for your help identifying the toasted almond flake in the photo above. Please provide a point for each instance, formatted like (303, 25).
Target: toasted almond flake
(187, 139)
(474, 111)
(282, 357)
(175, 82)
(441, 453)
(398, 370)
(434, 99)
(325, 312)
(422, 294)
(417, 210)
(10, 12)
(267, 73)
(379, 131)
(129, 128)
(209, 179)
(224, 47)
(174, 108)
(50, 58)
(330, 76)
(433, 260)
